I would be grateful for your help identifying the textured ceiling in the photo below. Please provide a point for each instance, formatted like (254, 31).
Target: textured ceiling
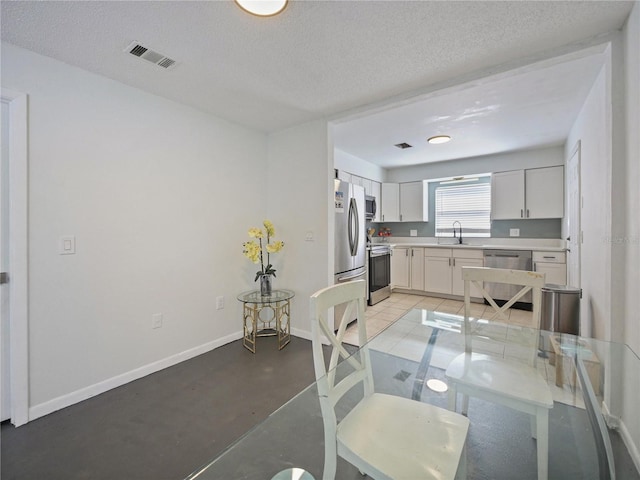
(317, 59)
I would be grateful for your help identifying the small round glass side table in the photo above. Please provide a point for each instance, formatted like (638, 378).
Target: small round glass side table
(266, 316)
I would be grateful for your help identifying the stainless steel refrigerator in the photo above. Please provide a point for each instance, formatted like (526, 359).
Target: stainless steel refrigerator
(350, 239)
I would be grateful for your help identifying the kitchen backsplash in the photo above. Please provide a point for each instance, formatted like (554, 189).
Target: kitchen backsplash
(544, 228)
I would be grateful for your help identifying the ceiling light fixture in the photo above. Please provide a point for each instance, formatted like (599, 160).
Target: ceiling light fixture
(460, 180)
(262, 8)
(439, 139)
(437, 385)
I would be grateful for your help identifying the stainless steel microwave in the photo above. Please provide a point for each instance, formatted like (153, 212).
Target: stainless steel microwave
(370, 207)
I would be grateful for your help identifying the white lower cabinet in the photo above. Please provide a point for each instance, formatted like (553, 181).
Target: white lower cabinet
(407, 268)
(553, 265)
(443, 269)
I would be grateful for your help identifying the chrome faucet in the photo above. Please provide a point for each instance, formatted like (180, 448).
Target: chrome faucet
(454, 231)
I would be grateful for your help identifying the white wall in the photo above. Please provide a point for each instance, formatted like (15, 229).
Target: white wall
(299, 192)
(357, 166)
(630, 420)
(159, 198)
(632, 178)
(592, 128)
(542, 157)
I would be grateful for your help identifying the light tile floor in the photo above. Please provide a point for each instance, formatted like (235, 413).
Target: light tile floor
(409, 342)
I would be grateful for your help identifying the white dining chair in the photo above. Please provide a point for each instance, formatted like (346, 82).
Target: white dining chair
(506, 372)
(384, 436)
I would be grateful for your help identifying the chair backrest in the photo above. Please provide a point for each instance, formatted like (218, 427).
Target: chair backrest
(528, 281)
(353, 295)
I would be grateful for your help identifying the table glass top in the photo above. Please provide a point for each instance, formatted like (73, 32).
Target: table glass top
(499, 444)
(254, 296)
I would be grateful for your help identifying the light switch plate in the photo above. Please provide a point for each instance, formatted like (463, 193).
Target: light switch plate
(67, 245)
(514, 232)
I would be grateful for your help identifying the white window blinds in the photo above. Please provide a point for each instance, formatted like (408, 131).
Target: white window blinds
(468, 204)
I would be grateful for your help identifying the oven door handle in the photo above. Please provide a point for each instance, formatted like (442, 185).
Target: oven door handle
(374, 255)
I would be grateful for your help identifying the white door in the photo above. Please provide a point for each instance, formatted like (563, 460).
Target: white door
(574, 201)
(5, 366)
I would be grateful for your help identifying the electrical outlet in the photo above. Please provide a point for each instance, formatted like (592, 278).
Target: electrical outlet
(514, 232)
(309, 236)
(219, 303)
(413, 233)
(156, 320)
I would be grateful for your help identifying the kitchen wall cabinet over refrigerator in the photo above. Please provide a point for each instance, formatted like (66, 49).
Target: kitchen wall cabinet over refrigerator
(533, 193)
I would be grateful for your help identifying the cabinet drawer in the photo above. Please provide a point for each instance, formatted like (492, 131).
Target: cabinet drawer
(549, 257)
(437, 252)
(467, 253)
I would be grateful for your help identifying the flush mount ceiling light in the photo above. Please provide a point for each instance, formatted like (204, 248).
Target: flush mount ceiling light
(262, 8)
(439, 139)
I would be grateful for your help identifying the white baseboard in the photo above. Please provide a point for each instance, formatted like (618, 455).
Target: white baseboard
(72, 398)
(617, 423)
(631, 445)
(301, 333)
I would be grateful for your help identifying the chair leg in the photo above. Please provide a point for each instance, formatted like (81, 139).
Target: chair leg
(461, 473)
(465, 404)
(542, 425)
(451, 398)
(330, 456)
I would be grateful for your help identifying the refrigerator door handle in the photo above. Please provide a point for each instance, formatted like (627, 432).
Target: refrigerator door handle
(353, 224)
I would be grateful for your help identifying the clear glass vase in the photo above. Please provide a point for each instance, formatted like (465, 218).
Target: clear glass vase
(265, 285)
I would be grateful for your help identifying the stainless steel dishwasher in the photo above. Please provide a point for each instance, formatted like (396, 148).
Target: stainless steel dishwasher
(512, 260)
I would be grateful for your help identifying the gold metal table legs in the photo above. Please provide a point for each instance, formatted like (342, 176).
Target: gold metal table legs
(266, 319)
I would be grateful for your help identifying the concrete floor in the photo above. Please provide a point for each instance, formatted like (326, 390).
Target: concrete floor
(163, 426)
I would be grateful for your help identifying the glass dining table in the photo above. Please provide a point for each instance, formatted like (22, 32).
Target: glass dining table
(409, 359)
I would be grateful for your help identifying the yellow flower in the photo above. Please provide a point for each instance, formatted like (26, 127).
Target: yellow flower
(255, 232)
(252, 251)
(271, 231)
(275, 246)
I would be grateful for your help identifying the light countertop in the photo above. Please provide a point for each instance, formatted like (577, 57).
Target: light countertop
(539, 245)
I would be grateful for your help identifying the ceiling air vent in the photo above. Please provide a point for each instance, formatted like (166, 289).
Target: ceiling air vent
(403, 145)
(139, 50)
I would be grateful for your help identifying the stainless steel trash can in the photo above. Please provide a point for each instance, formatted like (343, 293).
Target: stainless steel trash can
(560, 309)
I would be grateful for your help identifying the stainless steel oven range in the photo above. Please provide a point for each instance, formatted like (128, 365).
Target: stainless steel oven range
(378, 273)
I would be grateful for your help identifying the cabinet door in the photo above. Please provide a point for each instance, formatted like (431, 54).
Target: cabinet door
(555, 273)
(437, 274)
(507, 195)
(417, 268)
(457, 285)
(544, 189)
(400, 265)
(390, 202)
(344, 176)
(411, 198)
(375, 191)
(366, 184)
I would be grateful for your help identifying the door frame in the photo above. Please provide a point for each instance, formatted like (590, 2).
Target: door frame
(576, 243)
(18, 255)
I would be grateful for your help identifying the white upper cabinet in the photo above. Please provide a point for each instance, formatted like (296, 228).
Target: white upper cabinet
(544, 188)
(533, 193)
(390, 202)
(507, 195)
(414, 201)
